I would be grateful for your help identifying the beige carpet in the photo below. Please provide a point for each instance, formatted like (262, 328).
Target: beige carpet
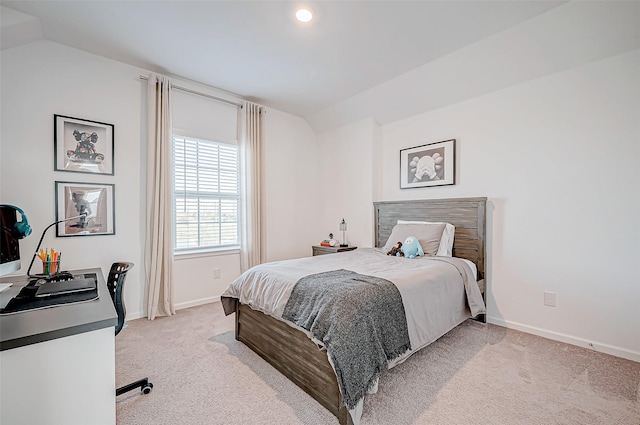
(476, 374)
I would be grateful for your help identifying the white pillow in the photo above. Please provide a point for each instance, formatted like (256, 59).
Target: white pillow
(446, 243)
(429, 235)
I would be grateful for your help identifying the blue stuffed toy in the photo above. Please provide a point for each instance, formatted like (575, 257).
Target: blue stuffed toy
(411, 248)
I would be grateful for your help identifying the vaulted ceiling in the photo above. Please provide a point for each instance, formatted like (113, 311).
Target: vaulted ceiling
(257, 49)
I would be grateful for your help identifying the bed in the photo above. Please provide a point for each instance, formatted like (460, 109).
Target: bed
(295, 352)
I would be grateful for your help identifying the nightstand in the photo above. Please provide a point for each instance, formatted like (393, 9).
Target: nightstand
(321, 250)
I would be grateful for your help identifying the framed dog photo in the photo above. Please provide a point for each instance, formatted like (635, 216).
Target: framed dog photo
(82, 146)
(84, 209)
(428, 165)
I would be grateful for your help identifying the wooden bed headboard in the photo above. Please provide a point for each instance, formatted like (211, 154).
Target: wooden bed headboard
(468, 215)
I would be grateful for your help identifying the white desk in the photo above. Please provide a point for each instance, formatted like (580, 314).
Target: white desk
(57, 365)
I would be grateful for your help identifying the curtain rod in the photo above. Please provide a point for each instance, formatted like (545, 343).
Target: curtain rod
(219, 99)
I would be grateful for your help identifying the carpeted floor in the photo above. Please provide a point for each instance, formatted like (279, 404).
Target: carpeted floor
(476, 374)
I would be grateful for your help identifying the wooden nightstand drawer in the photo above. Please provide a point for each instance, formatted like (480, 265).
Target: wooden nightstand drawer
(321, 250)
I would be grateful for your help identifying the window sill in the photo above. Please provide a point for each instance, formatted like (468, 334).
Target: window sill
(208, 252)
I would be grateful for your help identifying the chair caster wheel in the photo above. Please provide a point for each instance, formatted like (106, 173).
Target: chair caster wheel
(147, 388)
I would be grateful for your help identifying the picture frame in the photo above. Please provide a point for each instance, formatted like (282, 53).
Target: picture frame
(428, 165)
(83, 146)
(85, 209)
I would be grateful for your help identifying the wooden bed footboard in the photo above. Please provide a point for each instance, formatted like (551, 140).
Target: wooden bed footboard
(292, 352)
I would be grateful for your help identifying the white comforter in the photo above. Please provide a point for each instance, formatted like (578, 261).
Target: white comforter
(438, 293)
(433, 291)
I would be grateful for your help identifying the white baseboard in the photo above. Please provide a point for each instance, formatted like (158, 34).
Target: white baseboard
(136, 315)
(195, 303)
(140, 315)
(569, 339)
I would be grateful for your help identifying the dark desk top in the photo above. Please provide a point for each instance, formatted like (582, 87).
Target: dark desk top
(31, 327)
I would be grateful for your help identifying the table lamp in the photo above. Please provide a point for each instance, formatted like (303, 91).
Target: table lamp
(343, 229)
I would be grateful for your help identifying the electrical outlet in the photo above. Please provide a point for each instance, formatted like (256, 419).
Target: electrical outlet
(550, 299)
(216, 273)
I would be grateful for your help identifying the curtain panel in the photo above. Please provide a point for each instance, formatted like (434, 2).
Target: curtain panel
(158, 240)
(252, 153)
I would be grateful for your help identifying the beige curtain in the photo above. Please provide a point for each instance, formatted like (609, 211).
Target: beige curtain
(158, 243)
(252, 154)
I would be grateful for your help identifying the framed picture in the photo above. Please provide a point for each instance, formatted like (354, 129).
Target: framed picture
(82, 146)
(85, 209)
(428, 165)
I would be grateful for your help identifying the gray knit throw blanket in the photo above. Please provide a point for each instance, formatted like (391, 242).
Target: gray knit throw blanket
(360, 320)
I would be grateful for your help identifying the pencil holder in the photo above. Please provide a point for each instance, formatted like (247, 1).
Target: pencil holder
(50, 267)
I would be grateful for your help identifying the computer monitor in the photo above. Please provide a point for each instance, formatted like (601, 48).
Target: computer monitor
(9, 246)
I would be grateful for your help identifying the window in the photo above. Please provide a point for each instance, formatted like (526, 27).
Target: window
(206, 194)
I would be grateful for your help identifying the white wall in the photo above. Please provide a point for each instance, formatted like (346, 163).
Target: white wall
(291, 186)
(557, 158)
(194, 280)
(41, 79)
(349, 181)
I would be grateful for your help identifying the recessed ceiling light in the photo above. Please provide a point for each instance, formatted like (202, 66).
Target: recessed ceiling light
(304, 15)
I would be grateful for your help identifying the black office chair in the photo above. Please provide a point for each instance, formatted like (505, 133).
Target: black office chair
(115, 284)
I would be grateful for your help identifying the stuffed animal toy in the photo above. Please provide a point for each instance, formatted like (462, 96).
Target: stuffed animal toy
(396, 251)
(411, 248)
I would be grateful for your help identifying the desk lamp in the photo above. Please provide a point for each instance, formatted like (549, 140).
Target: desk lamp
(40, 243)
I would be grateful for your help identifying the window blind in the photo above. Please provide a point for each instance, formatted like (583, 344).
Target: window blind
(206, 193)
